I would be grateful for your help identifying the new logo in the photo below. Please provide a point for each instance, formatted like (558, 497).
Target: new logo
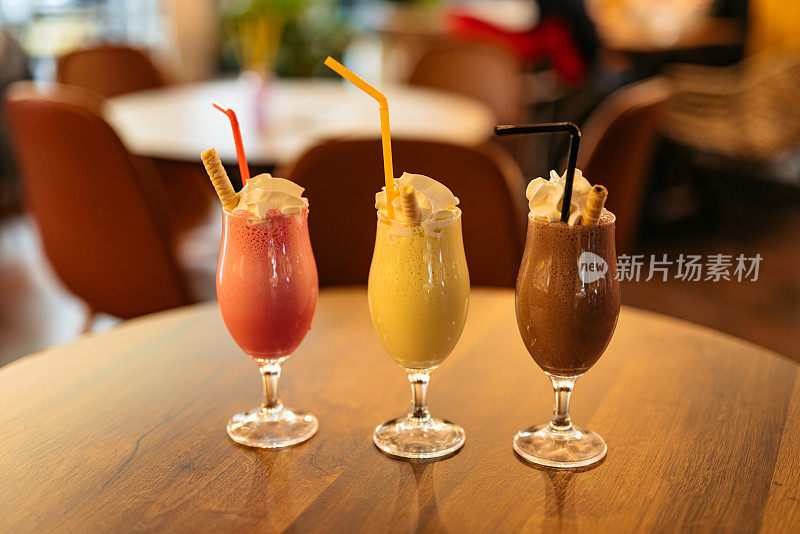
(591, 267)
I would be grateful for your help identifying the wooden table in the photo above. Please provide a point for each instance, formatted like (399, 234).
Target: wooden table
(178, 122)
(126, 431)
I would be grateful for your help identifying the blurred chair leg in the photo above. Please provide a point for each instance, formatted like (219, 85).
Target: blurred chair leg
(88, 320)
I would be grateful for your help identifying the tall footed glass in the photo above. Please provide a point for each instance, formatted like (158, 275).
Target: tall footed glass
(567, 304)
(418, 299)
(267, 290)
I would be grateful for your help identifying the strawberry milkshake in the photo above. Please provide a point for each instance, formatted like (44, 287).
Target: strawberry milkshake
(266, 278)
(267, 290)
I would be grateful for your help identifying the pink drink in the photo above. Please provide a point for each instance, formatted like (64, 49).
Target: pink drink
(267, 282)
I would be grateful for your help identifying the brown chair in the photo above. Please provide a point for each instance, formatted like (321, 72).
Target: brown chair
(617, 146)
(114, 70)
(341, 178)
(109, 70)
(481, 71)
(102, 214)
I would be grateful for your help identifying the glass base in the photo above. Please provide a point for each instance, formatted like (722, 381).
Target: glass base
(271, 428)
(551, 447)
(418, 438)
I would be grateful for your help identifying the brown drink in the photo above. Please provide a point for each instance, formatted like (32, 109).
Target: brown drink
(567, 297)
(567, 294)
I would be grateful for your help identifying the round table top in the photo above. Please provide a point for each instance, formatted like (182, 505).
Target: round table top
(126, 431)
(178, 122)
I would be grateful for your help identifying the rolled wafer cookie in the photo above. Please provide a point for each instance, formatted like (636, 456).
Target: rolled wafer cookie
(409, 204)
(594, 205)
(225, 191)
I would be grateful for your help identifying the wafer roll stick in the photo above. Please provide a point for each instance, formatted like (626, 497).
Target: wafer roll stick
(225, 191)
(594, 205)
(409, 204)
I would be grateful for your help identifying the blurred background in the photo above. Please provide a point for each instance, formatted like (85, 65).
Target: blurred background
(689, 112)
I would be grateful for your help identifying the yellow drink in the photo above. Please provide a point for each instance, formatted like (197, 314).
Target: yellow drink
(419, 290)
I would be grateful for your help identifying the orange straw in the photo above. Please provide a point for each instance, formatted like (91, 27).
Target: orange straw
(237, 139)
(388, 171)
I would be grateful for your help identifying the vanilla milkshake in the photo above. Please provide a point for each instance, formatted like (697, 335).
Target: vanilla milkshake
(418, 299)
(418, 282)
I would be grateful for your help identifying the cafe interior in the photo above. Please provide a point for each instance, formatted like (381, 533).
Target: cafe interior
(111, 232)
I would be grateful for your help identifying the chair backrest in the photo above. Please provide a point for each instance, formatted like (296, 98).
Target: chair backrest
(485, 72)
(341, 178)
(745, 111)
(617, 147)
(108, 70)
(100, 220)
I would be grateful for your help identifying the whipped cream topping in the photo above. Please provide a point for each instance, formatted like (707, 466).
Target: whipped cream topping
(545, 196)
(436, 201)
(263, 193)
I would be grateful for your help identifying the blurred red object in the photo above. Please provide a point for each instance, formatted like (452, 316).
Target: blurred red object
(551, 39)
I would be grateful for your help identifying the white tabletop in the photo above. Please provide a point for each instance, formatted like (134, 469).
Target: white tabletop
(178, 122)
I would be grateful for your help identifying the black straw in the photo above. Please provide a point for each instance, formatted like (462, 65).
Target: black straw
(574, 142)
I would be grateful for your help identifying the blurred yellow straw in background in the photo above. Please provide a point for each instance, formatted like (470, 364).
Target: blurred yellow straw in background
(388, 170)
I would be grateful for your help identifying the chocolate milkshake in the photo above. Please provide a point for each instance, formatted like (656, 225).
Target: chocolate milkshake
(567, 294)
(567, 298)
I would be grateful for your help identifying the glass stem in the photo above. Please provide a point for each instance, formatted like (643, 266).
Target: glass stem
(419, 390)
(562, 387)
(270, 373)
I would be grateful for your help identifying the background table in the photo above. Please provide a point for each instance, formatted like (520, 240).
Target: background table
(178, 122)
(627, 37)
(126, 431)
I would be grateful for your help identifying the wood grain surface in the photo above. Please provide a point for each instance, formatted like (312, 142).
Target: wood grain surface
(126, 431)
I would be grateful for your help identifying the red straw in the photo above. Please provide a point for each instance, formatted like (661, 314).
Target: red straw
(237, 139)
